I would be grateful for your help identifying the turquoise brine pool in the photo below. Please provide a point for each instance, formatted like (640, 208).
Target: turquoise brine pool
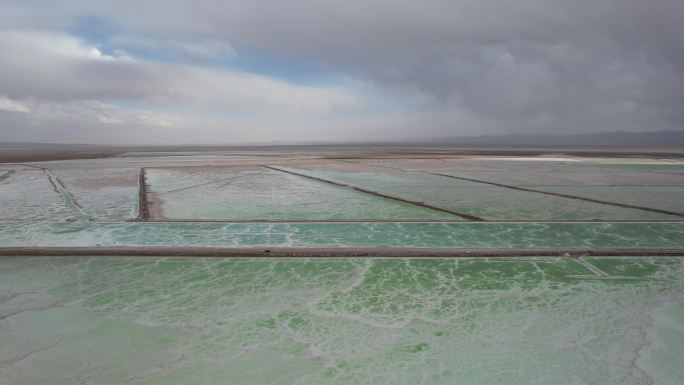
(429, 235)
(341, 321)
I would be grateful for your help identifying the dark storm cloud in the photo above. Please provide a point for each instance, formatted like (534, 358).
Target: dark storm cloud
(565, 65)
(470, 66)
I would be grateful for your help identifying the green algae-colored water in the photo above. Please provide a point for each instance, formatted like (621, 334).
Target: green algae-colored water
(429, 235)
(498, 203)
(271, 195)
(341, 321)
(657, 197)
(523, 320)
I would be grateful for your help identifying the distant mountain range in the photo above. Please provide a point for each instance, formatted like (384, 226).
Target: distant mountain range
(615, 138)
(47, 146)
(602, 139)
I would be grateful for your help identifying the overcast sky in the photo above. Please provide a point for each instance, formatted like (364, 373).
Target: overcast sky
(232, 71)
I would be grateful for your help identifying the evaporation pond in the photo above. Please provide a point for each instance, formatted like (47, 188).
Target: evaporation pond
(98, 320)
(257, 193)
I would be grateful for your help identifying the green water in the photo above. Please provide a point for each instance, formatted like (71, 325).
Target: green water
(264, 194)
(432, 235)
(498, 203)
(669, 198)
(99, 320)
(341, 321)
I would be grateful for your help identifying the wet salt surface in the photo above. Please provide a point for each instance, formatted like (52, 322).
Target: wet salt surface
(88, 203)
(658, 197)
(428, 235)
(67, 320)
(99, 320)
(103, 194)
(263, 194)
(218, 188)
(492, 202)
(29, 195)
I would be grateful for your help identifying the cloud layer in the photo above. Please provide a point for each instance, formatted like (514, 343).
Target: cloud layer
(221, 71)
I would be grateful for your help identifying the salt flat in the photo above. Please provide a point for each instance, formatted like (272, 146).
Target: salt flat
(341, 320)
(281, 199)
(572, 316)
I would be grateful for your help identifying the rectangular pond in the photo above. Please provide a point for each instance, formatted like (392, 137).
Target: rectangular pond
(263, 194)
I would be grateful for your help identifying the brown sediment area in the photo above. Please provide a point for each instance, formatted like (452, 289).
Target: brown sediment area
(95, 182)
(154, 207)
(37, 152)
(143, 204)
(14, 156)
(149, 203)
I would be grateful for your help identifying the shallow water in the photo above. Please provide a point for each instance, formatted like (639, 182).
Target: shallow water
(669, 198)
(429, 235)
(341, 321)
(499, 203)
(196, 188)
(263, 194)
(523, 320)
(103, 194)
(29, 195)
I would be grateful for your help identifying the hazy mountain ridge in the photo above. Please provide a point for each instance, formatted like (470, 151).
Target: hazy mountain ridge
(610, 139)
(615, 138)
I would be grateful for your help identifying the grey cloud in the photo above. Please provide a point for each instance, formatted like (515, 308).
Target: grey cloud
(507, 65)
(59, 68)
(56, 67)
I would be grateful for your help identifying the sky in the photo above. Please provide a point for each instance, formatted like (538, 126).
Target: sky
(250, 71)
